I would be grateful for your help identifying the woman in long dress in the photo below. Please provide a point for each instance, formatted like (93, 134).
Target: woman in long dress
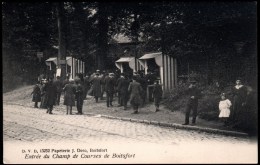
(239, 99)
(69, 96)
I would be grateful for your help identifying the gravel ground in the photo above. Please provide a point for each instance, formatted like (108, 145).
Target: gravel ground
(26, 128)
(22, 96)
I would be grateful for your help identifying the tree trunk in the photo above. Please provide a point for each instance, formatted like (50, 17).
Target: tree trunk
(62, 40)
(102, 51)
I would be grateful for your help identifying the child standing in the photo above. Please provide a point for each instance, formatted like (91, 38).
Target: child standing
(224, 108)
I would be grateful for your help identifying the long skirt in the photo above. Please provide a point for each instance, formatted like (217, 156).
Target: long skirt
(69, 100)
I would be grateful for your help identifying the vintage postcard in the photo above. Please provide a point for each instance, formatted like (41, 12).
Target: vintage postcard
(137, 82)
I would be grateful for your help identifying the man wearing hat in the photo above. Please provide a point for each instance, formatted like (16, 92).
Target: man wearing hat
(122, 88)
(51, 94)
(43, 94)
(118, 82)
(157, 94)
(96, 85)
(58, 85)
(110, 88)
(135, 91)
(79, 96)
(103, 77)
(192, 104)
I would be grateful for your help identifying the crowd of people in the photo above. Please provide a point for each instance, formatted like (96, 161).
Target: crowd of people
(127, 88)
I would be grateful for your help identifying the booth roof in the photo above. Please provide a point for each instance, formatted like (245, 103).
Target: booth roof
(55, 58)
(52, 59)
(150, 55)
(125, 59)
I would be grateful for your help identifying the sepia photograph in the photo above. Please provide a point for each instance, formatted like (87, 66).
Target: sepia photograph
(130, 82)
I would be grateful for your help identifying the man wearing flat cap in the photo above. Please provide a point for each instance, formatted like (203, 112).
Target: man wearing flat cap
(96, 85)
(118, 82)
(122, 88)
(79, 96)
(192, 103)
(51, 94)
(110, 83)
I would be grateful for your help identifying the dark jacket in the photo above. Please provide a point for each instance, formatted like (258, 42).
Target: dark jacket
(123, 86)
(69, 95)
(43, 96)
(143, 83)
(86, 83)
(79, 92)
(118, 81)
(194, 91)
(36, 93)
(96, 85)
(110, 84)
(58, 85)
(150, 78)
(135, 91)
(240, 94)
(51, 93)
(157, 91)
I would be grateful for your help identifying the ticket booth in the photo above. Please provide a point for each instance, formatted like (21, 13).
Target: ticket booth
(73, 66)
(128, 65)
(166, 65)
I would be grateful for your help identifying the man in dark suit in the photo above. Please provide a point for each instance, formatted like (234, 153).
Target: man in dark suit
(119, 80)
(157, 94)
(143, 83)
(150, 79)
(110, 88)
(192, 103)
(135, 91)
(51, 93)
(79, 96)
(123, 91)
(58, 85)
(96, 85)
(86, 85)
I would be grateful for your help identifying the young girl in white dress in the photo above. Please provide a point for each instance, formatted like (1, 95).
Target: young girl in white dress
(224, 108)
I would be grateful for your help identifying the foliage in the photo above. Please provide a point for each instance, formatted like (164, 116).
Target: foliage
(204, 33)
(176, 100)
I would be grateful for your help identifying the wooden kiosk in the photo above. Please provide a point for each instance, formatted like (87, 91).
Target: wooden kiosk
(73, 66)
(167, 67)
